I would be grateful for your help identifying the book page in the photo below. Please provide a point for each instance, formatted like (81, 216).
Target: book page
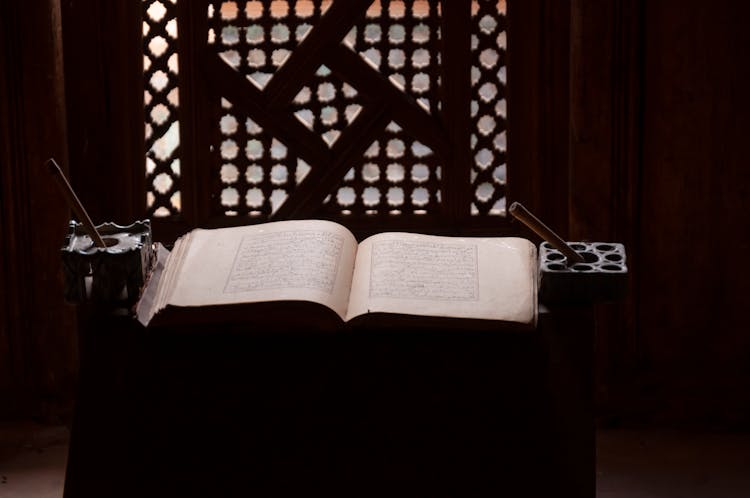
(309, 260)
(148, 301)
(483, 278)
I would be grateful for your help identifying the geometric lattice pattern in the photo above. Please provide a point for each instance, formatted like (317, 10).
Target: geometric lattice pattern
(400, 38)
(488, 107)
(326, 105)
(161, 100)
(256, 37)
(391, 44)
(257, 171)
(397, 175)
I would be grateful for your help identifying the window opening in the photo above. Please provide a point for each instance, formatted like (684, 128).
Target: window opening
(255, 170)
(161, 97)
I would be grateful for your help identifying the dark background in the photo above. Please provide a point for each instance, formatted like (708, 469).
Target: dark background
(641, 113)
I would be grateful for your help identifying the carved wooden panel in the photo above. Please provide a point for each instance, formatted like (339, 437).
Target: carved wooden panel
(257, 171)
(401, 39)
(488, 107)
(396, 175)
(161, 99)
(335, 109)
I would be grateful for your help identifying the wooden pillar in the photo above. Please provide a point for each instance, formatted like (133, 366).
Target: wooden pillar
(456, 81)
(606, 70)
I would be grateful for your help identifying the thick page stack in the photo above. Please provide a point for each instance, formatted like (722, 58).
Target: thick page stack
(319, 262)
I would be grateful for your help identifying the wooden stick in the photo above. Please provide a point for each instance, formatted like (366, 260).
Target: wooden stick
(74, 203)
(531, 221)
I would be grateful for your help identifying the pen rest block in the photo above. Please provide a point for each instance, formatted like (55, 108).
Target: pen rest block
(603, 276)
(112, 274)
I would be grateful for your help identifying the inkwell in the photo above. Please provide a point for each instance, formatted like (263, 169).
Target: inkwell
(106, 264)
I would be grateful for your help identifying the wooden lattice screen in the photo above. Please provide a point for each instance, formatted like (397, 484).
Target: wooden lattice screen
(161, 98)
(373, 113)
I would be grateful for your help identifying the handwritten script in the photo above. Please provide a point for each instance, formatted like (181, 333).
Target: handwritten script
(307, 259)
(424, 270)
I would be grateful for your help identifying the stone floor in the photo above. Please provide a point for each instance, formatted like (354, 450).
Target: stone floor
(631, 463)
(666, 464)
(32, 460)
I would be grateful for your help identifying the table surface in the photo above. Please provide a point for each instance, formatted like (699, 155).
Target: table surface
(211, 411)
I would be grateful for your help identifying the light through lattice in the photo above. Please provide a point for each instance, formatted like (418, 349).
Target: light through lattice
(397, 175)
(488, 107)
(258, 172)
(326, 105)
(257, 37)
(161, 100)
(400, 39)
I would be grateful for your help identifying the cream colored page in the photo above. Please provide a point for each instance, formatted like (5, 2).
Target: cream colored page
(148, 304)
(308, 260)
(488, 278)
(172, 267)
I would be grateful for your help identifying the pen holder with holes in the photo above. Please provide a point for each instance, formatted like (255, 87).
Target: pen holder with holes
(112, 274)
(602, 277)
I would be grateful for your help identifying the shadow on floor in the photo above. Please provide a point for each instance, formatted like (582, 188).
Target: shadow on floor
(633, 463)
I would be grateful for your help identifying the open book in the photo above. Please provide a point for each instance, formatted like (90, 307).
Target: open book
(320, 265)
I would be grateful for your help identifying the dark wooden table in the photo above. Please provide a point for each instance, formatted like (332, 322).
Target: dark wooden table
(227, 411)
